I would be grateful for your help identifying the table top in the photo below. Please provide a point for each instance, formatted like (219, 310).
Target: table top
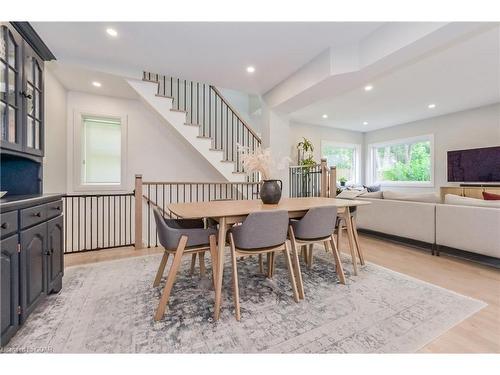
(244, 207)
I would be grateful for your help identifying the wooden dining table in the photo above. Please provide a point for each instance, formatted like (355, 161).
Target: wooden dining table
(235, 211)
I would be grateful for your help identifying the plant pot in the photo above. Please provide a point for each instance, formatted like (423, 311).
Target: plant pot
(270, 192)
(342, 183)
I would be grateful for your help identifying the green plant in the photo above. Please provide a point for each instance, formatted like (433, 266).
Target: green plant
(305, 145)
(343, 179)
(309, 162)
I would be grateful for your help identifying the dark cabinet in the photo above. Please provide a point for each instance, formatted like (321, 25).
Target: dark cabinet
(10, 288)
(55, 254)
(33, 267)
(21, 94)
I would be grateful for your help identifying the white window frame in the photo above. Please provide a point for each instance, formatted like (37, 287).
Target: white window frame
(357, 156)
(371, 172)
(78, 131)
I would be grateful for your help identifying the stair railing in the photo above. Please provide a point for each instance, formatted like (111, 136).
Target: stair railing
(217, 119)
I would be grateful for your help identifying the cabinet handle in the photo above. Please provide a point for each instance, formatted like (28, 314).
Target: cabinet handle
(47, 252)
(37, 214)
(5, 225)
(26, 95)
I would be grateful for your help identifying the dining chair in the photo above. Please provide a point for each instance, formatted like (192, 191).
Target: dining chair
(316, 226)
(341, 225)
(180, 237)
(260, 233)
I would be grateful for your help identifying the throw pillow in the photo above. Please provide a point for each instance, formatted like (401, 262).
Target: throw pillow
(372, 188)
(422, 197)
(491, 196)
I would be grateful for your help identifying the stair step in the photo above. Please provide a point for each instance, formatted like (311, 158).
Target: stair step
(190, 124)
(165, 96)
(215, 149)
(203, 137)
(239, 172)
(178, 110)
(227, 161)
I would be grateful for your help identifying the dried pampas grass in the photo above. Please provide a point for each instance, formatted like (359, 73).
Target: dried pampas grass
(260, 160)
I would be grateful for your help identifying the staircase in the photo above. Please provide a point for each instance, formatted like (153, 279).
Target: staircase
(204, 118)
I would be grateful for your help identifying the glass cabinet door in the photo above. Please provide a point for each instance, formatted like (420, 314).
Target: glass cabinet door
(33, 94)
(10, 119)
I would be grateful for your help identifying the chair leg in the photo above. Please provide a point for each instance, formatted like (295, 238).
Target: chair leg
(338, 263)
(213, 256)
(236, 292)
(269, 275)
(201, 258)
(261, 264)
(303, 251)
(193, 264)
(310, 256)
(290, 272)
(165, 296)
(273, 262)
(161, 269)
(296, 263)
(356, 239)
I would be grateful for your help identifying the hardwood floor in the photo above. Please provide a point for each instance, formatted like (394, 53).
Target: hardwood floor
(478, 334)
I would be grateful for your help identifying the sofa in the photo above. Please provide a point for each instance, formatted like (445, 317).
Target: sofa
(459, 224)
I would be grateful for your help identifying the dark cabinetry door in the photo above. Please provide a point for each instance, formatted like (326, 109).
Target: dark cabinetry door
(55, 264)
(33, 268)
(11, 134)
(9, 288)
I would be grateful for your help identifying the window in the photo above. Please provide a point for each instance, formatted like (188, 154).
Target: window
(100, 150)
(403, 162)
(346, 157)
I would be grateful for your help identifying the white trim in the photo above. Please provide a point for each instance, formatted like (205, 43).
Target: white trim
(371, 173)
(357, 155)
(77, 151)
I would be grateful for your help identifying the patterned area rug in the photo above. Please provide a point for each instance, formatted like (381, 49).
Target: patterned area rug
(108, 308)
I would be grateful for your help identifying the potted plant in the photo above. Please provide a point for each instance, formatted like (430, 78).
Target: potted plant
(305, 150)
(260, 160)
(342, 180)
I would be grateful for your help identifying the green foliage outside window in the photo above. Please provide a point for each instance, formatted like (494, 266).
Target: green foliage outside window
(404, 162)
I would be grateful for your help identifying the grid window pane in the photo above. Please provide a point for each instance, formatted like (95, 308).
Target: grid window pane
(102, 151)
(3, 81)
(12, 87)
(12, 51)
(3, 120)
(343, 158)
(12, 125)
(403, 162)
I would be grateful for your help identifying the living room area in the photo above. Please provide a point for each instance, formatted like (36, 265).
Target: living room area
(278, 186)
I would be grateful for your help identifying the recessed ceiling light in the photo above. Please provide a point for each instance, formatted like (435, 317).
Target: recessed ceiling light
(365, 122)
(431, 106)
(368, 88)
(325, 116)
(96, 84)
(112, 32)
(250, 69)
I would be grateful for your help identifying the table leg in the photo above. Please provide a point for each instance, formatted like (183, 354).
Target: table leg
(350, 236)
(220, 266)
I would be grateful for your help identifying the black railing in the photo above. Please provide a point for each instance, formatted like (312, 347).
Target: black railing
(218, 120)
(161, 194)
(98, 221)
(305, 181)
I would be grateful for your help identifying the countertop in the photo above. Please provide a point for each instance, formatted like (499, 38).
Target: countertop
(15, 202)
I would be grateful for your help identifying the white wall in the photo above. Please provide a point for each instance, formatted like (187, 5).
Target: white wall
(54, 163)
(316, 134)
(460, 130)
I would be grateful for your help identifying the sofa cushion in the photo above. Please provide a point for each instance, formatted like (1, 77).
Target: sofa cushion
(374, 194)
(413, 197)
(466, 201)
(490, 196)
(349, 194)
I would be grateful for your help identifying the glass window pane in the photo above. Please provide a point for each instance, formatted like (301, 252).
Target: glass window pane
(37, 135)
(12, 87)
(12, 125)
(3, 82)
(28, 68)
(30, 100)
(3, 44)
(12, 51)
(3, 120)
(343, 158)
(403, 162)
(102, 151)
(38, 75)
(29, 133)
(38, 103)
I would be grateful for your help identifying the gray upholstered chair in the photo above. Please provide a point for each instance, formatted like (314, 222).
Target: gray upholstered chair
(341, 225)
(260, 233)
(317, 226)
(180, 237)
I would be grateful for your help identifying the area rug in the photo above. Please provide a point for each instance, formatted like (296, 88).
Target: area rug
(108, 308)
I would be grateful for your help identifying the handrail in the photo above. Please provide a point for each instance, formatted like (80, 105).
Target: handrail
(236, 113)
(199, 183)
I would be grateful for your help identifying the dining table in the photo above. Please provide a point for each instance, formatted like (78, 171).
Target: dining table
(229, 212)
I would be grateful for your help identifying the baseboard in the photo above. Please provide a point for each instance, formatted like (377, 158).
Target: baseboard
(462, 254)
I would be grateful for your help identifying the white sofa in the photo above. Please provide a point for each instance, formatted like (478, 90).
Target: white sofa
(474, 229)
(414, 220)
(470, 228)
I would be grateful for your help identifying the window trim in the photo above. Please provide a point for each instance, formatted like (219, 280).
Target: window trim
(371, 172)
(78, 129)
(357, 156)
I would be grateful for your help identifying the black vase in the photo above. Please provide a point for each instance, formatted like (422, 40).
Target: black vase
(270, 192)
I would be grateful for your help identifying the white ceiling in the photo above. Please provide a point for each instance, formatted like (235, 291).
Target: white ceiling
(215, 52)
(464, 75)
